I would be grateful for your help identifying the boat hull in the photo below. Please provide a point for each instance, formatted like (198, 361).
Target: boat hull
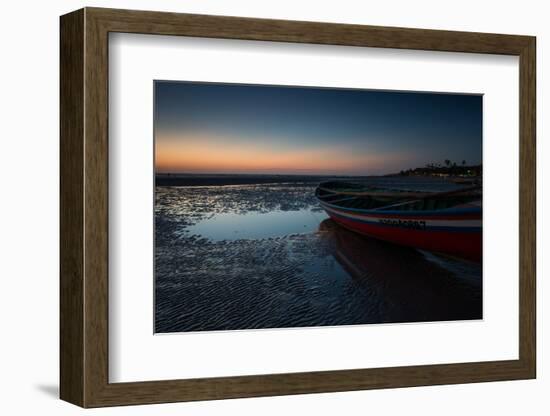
(453, 232)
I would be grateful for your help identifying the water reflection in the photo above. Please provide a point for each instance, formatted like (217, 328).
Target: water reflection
(257, 225)
(412, 285)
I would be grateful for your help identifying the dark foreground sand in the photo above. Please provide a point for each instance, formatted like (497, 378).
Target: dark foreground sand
(327, 277)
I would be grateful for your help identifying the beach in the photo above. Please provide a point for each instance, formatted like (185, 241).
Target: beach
(241, 255)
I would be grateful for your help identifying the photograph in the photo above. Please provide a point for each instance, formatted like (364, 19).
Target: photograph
(305, 206)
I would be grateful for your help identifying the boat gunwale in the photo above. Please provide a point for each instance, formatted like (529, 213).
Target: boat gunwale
(401, 213)
(395, 192)
(404, 195)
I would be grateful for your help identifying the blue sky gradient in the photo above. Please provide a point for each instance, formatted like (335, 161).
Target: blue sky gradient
(379, 132)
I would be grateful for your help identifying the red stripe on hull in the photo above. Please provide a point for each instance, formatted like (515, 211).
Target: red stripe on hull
(467, 245)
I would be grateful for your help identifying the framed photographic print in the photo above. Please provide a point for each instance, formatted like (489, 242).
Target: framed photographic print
(261, 207)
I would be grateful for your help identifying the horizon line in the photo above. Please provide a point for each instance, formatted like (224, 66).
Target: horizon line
(269, 174)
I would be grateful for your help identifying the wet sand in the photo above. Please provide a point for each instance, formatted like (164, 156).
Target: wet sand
(318, 275)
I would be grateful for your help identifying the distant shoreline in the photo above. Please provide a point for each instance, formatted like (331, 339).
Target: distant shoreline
(223, 179)
(176, 179)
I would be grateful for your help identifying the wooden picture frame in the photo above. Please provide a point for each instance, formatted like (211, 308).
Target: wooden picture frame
(84, 207)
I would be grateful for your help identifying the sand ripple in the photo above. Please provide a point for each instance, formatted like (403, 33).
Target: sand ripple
(329, 277)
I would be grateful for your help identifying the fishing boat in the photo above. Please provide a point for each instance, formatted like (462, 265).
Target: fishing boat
(445, 222)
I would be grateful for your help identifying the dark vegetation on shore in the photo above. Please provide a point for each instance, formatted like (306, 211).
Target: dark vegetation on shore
(449, 168)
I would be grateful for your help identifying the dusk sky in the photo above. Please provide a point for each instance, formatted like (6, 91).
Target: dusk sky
(233, 128)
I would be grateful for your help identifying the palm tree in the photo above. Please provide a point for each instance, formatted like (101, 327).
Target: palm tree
(447, 162)
(463, 163)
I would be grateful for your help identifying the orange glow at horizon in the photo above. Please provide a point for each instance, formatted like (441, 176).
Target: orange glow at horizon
(207, 154)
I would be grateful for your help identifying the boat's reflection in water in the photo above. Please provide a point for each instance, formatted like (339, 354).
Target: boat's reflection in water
(402, 284)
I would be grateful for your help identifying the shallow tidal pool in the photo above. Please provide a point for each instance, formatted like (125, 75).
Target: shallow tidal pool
(267, 256)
